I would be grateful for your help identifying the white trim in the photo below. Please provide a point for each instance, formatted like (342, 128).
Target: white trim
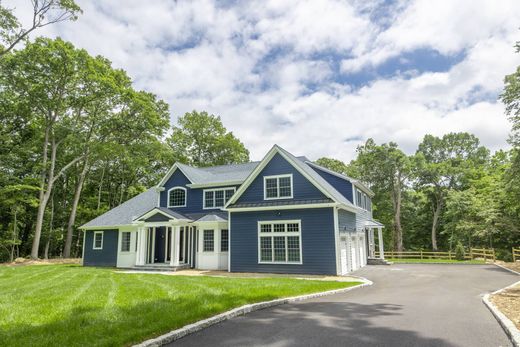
(215, 190)
(284, 234)
(277, 177)
(216, 184)
(336, 240)
(229, 241)
(83, 248)
(281, 207)
(168, 196)
(154, 211)
(203, 239)
(94, 240)
(121, 242)
(170, 173)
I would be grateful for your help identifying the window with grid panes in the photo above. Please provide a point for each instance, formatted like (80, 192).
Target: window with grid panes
(279, 242)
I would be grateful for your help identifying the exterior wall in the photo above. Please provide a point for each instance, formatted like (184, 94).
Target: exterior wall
(302, 188)
(317, 240)
(346, 221)
(194, 202)
(101, 257)
(341, 185)
(361, 217)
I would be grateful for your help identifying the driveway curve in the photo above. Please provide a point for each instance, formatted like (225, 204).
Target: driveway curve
(408, 305)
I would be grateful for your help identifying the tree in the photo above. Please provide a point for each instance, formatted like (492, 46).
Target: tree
(443, 164)
(511, 99)
(201, 139)
(386, 169)
(45, 12)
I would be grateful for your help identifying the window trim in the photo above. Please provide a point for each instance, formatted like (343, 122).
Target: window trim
(203, 239)
(285, 234)
(227, 240)
(129, 242)
(214, 190)
(278, 187)
(168, 196)
(100, 232)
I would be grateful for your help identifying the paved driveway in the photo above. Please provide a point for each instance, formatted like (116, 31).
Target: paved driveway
(408, 305)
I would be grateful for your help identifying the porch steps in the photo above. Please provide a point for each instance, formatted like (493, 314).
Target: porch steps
(377, 261)
(161, 267)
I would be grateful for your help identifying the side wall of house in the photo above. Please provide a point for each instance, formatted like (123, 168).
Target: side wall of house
(343, 186)
(107, 256)
(317, 241)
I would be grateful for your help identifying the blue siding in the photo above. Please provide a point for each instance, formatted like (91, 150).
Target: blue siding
(101, 257)
(318, 249)
(302, 188)
(343, 186)
(194, 196)
(346, 221)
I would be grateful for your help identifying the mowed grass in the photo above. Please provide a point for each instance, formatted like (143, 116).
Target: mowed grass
(443, 261)
(70, 305)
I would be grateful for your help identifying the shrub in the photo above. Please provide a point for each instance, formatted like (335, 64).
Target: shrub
(459, 251)
(504, 254)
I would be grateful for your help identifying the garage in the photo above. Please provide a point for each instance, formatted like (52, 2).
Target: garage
(353, 253)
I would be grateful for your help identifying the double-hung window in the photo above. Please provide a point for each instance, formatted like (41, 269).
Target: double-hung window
(208, 241)
(126, 236)
(177, 197)
(98, 240)
(224, 240)
(278, 187)
(279, 242)
(217, 198)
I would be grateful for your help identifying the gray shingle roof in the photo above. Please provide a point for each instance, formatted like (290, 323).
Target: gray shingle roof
(218, 174)
(127, 211)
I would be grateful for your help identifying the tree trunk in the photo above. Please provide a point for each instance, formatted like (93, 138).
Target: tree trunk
(15, 236)
(435, 223)
(51, 231)
(397, 218)
(100, 187)
(75, 202)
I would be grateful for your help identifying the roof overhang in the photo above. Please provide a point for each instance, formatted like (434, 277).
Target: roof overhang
(157, 210)
(280, 207)
(373, 224)
(216, 184)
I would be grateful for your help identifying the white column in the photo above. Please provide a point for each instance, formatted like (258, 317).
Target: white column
(138, 246)
(380, 239)
(141, 247)
(188, 255)
(172, 248)
(176, 245)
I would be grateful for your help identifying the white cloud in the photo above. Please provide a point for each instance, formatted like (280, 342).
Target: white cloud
(270, 69)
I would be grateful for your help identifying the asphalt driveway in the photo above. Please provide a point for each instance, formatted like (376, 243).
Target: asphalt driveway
(408, 305)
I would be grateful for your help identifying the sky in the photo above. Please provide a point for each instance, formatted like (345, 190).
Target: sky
(316, 77)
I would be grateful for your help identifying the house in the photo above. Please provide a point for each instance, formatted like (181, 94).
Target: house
(283, 214)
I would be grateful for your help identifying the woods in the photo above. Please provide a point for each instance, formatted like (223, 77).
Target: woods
(78, 139)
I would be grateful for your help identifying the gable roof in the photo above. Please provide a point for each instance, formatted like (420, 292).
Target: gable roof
(301, 165)
(161, 210)
(126, 212)
(356, 182)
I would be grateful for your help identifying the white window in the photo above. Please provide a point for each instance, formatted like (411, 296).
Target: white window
(279, 242)
(278, 187)
(208, 241)
(224, 240)
(126, 236)
(98, 240)
(216, 198)
(177, 197)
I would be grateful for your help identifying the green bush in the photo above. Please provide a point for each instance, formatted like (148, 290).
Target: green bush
(504, 254)
(459, 251)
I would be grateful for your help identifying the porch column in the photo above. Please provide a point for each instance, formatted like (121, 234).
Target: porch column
(138, 246)
(380, 239)
(176, 245)
(172, 242)
(371, 245)
(141, 246)
(188, 254)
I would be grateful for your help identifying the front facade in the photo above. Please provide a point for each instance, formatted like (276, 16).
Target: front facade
(283, 214)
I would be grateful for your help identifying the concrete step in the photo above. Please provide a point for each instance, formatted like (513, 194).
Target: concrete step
(160, 267)
(377, 261)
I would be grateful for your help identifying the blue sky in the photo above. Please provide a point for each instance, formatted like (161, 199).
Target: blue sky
(316, 77)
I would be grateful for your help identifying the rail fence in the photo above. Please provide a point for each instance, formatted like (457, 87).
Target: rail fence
(474, 253)
(516, 254)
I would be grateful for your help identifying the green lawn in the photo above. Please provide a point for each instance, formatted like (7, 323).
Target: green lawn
(69, 305)
(444, 261)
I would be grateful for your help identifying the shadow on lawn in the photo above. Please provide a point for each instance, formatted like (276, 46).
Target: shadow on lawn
(312, 324)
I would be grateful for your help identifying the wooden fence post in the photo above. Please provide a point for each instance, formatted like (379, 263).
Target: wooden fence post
(421, 253)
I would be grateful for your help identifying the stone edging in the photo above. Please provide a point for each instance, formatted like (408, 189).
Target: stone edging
(202, 324)
(509, 327)
(508, 269)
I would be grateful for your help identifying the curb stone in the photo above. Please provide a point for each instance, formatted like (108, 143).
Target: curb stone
(509, 327)
(508, 269)
(205, 323)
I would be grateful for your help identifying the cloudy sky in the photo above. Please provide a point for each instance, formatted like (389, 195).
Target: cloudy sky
(316, 77)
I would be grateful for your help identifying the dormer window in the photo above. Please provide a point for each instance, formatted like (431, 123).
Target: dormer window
(177, 197)
(278, 187)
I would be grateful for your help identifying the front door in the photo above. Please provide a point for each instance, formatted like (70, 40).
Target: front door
(160, 244)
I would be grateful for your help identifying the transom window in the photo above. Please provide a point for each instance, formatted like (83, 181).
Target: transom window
(125, 241)
(208, 241)
(280, 242)
(177, 197)
(224, 240)
(98, 240)
(216, 198)
(278, 187)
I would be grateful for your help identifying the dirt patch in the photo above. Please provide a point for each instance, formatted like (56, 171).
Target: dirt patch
(513, 266)
(23, 261)
(508, 302)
